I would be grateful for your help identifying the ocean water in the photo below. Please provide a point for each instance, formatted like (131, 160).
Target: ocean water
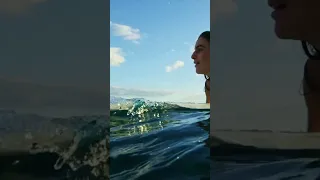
(40, 147)
(151, 140)
(230, 161)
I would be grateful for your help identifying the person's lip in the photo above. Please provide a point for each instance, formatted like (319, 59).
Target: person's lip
(276, 13)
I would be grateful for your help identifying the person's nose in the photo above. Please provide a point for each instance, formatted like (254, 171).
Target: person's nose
(193, 56)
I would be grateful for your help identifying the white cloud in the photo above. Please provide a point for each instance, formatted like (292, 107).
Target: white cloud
(137, 93)
(125, 31)
(116, 56)
(18, 6)
(175, 66)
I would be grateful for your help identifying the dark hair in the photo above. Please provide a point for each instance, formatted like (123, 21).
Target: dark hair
(206, 87)
(313, 54)
(206, 35)
(310, 50)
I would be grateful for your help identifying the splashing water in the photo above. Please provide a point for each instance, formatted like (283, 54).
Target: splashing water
(153, 140)
(79, 144)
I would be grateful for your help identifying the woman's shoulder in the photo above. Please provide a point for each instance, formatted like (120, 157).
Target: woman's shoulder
(312, 74)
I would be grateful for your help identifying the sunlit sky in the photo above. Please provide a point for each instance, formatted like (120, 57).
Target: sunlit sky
(151, 46)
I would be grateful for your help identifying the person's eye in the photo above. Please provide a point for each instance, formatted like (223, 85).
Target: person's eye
(198, 50)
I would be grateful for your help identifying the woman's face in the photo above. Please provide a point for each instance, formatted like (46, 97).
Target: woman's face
(296, 19)
(201, 56)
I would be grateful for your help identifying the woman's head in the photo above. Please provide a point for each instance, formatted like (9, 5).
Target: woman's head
(201, 54)
(297, 20)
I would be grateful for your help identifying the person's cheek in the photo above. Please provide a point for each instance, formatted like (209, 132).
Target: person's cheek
(208, 57)
(199, 56)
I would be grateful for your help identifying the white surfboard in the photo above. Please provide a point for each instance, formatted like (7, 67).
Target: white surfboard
(121, 106)
(270, 140)
(128, 105)
(194, 105)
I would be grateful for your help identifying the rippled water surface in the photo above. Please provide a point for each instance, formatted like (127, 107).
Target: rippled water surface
(153, 140)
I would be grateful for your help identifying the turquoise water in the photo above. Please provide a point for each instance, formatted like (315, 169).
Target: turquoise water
(153, 140)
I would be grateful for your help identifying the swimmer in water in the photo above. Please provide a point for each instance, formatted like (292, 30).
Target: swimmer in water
(201, 57)
(297, 20)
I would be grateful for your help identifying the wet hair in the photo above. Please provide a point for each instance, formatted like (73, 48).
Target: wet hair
(310, 51)
(206, 87)
(206, 35)
(313, 54)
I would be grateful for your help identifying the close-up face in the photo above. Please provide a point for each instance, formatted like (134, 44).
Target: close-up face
(296, 19)
(201, 56)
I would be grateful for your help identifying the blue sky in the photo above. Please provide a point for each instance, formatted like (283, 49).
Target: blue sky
(151, 44)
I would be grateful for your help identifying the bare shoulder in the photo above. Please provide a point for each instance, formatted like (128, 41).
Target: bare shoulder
(312, 74)
(313, 64)
(207, 96)
(207, 84)
(311, 87)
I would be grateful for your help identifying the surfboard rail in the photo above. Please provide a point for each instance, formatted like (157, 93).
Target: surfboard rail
(269, 139)
(129, 105)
